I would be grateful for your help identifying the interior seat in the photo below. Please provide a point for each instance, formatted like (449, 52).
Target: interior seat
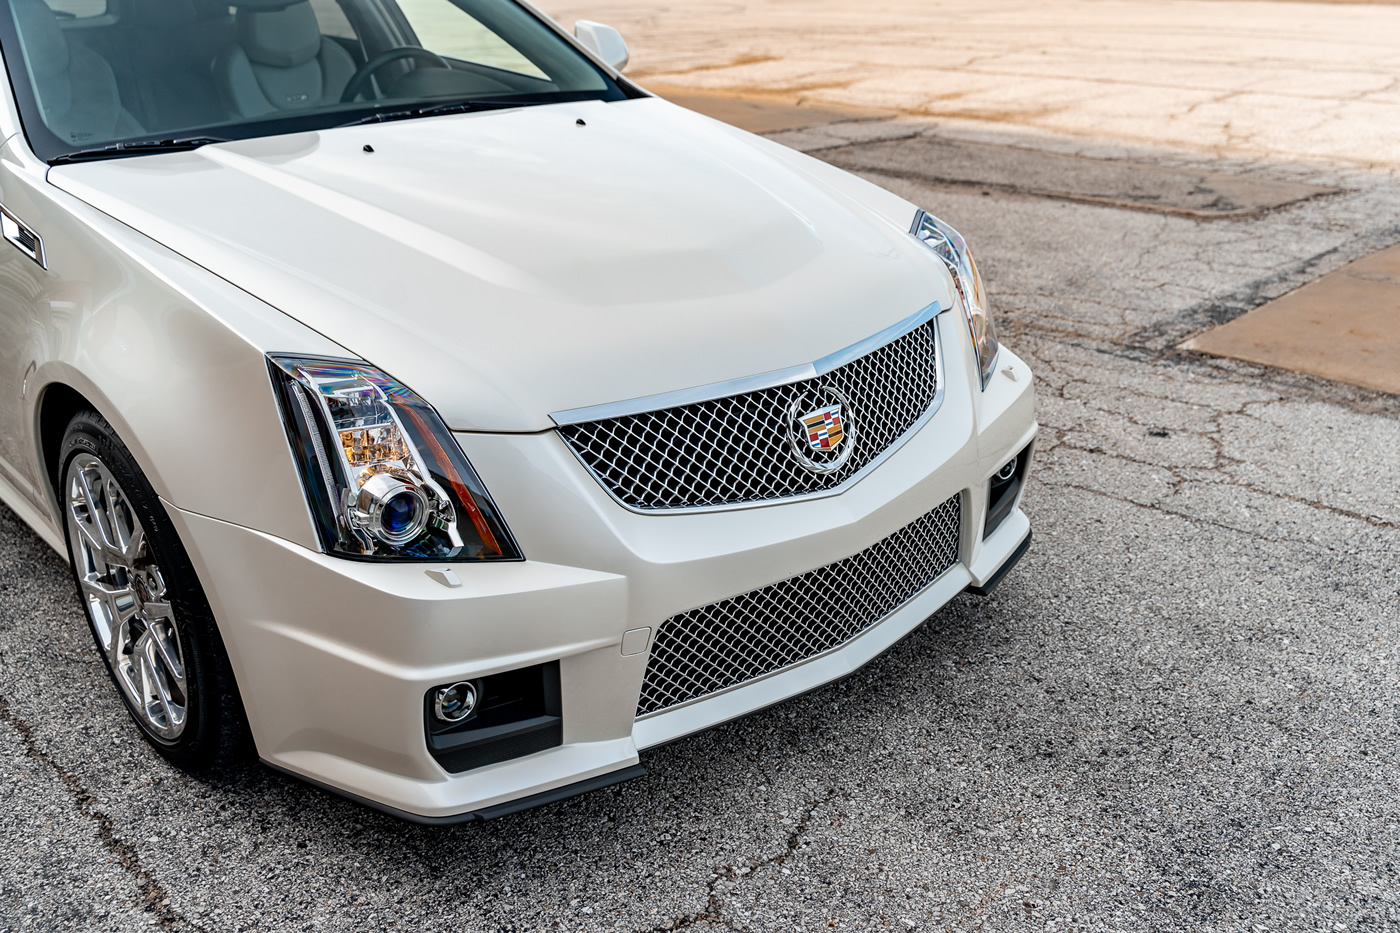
(171, 43)
(76, 90)
(280, 61)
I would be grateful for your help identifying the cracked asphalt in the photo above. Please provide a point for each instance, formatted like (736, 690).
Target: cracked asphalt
(1181, 711)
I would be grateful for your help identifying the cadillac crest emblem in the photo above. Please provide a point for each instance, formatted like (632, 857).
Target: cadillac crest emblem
(824, 427)
(821, 436)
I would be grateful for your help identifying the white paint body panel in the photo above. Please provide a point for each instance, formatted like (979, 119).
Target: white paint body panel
(510, 264)
(334, 658)
(505, 266)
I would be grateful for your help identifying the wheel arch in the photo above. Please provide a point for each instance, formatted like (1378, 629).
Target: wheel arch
(62, 394)
(58, 403)
(202, 686)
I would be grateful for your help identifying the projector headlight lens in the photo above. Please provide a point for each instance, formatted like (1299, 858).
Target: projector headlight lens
(383, 476)
(950, 247)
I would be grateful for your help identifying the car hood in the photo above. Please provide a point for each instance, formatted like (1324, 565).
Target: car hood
(510, 264)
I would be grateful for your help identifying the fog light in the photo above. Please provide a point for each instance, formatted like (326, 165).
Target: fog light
(1008, 471)
(454, 703)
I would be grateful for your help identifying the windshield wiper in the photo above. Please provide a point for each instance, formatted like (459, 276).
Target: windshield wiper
(459, 106)
(137, 147)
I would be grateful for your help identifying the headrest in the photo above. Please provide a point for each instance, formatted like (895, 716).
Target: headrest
(44, 43)
(283, 38)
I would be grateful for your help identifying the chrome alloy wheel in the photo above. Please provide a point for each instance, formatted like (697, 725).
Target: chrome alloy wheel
(126, 598)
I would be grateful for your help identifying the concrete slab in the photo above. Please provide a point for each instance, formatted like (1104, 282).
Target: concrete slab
(1162, 189)
(1344, 326)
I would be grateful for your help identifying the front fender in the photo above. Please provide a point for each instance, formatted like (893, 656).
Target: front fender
(173, 357)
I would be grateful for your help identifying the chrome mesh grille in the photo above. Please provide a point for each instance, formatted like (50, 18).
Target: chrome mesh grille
(709, 649)
(738, 449)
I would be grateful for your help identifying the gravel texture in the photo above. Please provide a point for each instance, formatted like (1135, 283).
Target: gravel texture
(1181, 712)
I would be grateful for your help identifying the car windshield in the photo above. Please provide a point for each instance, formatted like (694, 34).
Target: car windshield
(106, 78)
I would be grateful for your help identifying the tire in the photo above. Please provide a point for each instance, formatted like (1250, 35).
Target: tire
(144, 604)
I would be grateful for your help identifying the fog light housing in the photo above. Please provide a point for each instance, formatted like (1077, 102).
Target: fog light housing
(514, 713)
(1003, 489)
(455, 702)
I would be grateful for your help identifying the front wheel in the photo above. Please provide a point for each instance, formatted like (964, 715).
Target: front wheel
(147, 611)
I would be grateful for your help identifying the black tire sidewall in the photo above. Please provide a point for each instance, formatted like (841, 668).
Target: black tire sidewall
(212, 729)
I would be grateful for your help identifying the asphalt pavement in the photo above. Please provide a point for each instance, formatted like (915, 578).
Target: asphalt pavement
(1180, 712)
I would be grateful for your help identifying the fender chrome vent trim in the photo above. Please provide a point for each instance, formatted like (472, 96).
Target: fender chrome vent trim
(22, 237)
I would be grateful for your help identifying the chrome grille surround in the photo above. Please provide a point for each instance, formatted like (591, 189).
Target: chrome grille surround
(727, 445)
(732, 642)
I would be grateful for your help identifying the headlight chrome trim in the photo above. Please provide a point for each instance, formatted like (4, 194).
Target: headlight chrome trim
(360, 438)
(950, 247)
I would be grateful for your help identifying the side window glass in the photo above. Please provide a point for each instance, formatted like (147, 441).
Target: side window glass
(77, 9)
(446, 29)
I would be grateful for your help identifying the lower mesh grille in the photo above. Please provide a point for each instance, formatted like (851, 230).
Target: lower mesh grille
(736, 640)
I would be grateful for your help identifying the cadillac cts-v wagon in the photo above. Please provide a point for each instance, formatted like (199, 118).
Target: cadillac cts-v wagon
(416, 395)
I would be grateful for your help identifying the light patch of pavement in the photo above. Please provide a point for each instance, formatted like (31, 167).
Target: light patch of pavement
(1285, 81)
(1344, 326)
(1071, 101)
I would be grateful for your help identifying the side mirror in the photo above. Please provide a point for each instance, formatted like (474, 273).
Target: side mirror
(603, 41)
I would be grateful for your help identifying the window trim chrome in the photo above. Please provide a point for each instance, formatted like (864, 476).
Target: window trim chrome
(746, 384)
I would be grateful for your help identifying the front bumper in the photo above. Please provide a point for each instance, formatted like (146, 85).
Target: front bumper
(333, 657)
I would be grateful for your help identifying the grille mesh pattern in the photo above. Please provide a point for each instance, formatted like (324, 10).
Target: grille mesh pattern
(726, 643)
(738, 449)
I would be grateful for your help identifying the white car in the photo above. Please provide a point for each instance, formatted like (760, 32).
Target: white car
(416, 394)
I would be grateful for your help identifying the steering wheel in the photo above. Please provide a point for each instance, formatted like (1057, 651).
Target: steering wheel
(362, 74)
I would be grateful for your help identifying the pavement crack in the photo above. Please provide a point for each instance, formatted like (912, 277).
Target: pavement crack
(1375, 521)
(713, 911)
(155, 900)
(1186, 516)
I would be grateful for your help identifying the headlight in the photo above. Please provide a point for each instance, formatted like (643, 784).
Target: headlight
(952, 249)
(382, 474)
